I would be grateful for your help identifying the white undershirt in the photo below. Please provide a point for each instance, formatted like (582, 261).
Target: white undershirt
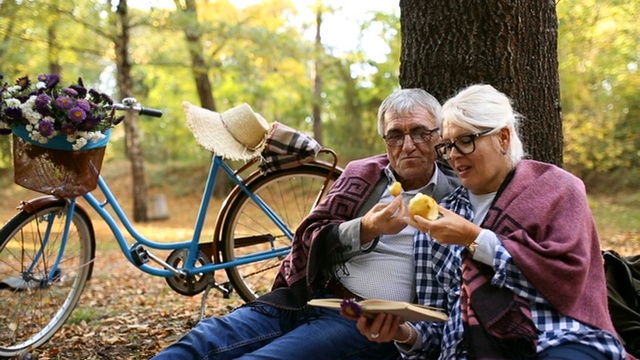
(388, 271)
(487, 239)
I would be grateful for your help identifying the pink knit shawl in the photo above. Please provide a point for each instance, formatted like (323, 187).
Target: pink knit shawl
(544, 221)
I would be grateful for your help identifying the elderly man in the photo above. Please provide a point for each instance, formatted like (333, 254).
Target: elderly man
(351, 246)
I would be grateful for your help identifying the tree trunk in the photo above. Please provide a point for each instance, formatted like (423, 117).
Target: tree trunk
(510, 44)
(317, 80)
(200, 69)
(132, 137)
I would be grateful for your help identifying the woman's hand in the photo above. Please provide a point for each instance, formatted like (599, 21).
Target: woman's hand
(382, 329)
(449, 228)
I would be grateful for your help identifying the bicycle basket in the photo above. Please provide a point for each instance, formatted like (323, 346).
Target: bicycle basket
(65, 173)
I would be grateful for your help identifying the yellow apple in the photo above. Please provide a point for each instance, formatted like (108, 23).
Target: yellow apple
(395, 189)
(423, 205)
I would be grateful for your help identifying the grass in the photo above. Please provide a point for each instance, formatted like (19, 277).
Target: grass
(616, 213)
(81, 314)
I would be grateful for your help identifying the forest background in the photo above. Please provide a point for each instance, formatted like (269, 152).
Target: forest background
(259, 54)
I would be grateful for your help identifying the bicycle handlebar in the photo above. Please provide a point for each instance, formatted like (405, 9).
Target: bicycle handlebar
(131, 104)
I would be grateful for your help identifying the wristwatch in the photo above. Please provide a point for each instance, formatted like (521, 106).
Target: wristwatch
(472, 247)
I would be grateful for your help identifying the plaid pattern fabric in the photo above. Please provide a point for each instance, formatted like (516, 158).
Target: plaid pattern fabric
(287, 148)
(438, 280)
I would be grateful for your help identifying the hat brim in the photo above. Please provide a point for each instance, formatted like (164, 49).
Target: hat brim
(211, 134)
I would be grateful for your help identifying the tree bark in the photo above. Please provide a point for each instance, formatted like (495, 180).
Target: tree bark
(132, 137)
(510, 44)
(317, 80)
(200, 69)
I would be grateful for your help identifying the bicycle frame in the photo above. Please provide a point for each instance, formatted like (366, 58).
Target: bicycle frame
(191, 245)
(48, 247)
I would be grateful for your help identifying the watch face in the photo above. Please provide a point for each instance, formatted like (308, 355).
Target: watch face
(472, 248)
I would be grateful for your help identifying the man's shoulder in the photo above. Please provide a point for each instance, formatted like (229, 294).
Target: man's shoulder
(376, 161)
(448, 172)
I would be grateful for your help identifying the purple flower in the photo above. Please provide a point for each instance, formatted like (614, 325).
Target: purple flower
(64, 102)
(42, 102)
(350, 307)
(45, 128)
(90, 123)
(23, 82)
(83, 104)
(51, 80)
(82, 92)
(14, 114)
(68, 129)
(69, 91)
(76, 114)
(100, 97)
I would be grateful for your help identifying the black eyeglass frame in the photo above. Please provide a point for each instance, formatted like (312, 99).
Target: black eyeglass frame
(444, 149)
(422, 137)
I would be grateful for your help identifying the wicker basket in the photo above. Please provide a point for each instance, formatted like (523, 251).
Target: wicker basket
(64, 173)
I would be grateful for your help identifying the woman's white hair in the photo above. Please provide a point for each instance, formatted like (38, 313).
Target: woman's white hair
(480, 107)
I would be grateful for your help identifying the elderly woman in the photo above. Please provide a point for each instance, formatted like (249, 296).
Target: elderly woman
(514, 257)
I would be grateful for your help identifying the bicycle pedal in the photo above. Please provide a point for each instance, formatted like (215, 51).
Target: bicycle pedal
(140, 255)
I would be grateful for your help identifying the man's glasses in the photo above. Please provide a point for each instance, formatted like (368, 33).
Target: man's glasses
(465, 144)
(419, 135)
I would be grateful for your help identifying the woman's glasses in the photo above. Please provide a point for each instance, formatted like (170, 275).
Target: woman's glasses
(465, 144)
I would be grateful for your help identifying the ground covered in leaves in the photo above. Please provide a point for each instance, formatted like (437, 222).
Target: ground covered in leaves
(126, 314)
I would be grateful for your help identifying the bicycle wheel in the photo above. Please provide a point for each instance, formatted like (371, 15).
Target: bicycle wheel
(291, 194)
(41, 276)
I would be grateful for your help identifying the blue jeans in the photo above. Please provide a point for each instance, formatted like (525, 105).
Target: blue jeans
(571, 352)
(249, 334)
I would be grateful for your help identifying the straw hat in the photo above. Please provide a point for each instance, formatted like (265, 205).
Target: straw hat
(236, 134)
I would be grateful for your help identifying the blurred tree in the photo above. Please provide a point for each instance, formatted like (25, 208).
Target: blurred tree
(512, 45)
(600, 90)
(132, 132)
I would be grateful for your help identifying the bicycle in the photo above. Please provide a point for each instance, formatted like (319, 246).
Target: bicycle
(47, 249)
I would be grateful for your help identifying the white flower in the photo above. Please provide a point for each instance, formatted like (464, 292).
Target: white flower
(14, 89)
(79, 144)
(41, 85)
(35, 136)
(12, 103)
(29, 112)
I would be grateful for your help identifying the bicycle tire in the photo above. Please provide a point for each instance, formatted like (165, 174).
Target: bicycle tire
(290, 193)
(34, 306)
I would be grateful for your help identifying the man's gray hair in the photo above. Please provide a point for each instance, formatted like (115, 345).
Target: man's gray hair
(406, 101)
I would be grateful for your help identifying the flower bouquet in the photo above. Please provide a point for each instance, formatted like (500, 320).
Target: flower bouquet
(45, 111)
(60, 133)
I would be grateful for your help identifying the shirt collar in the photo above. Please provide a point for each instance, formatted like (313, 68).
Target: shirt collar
(427, 189)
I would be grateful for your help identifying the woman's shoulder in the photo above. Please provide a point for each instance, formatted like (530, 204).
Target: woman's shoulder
(533, 171)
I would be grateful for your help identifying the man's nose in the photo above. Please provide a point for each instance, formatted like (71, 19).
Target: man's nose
(408, 143)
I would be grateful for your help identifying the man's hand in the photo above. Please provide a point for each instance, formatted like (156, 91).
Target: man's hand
(383, 219)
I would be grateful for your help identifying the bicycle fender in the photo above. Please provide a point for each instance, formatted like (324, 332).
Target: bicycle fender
(33, 205)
